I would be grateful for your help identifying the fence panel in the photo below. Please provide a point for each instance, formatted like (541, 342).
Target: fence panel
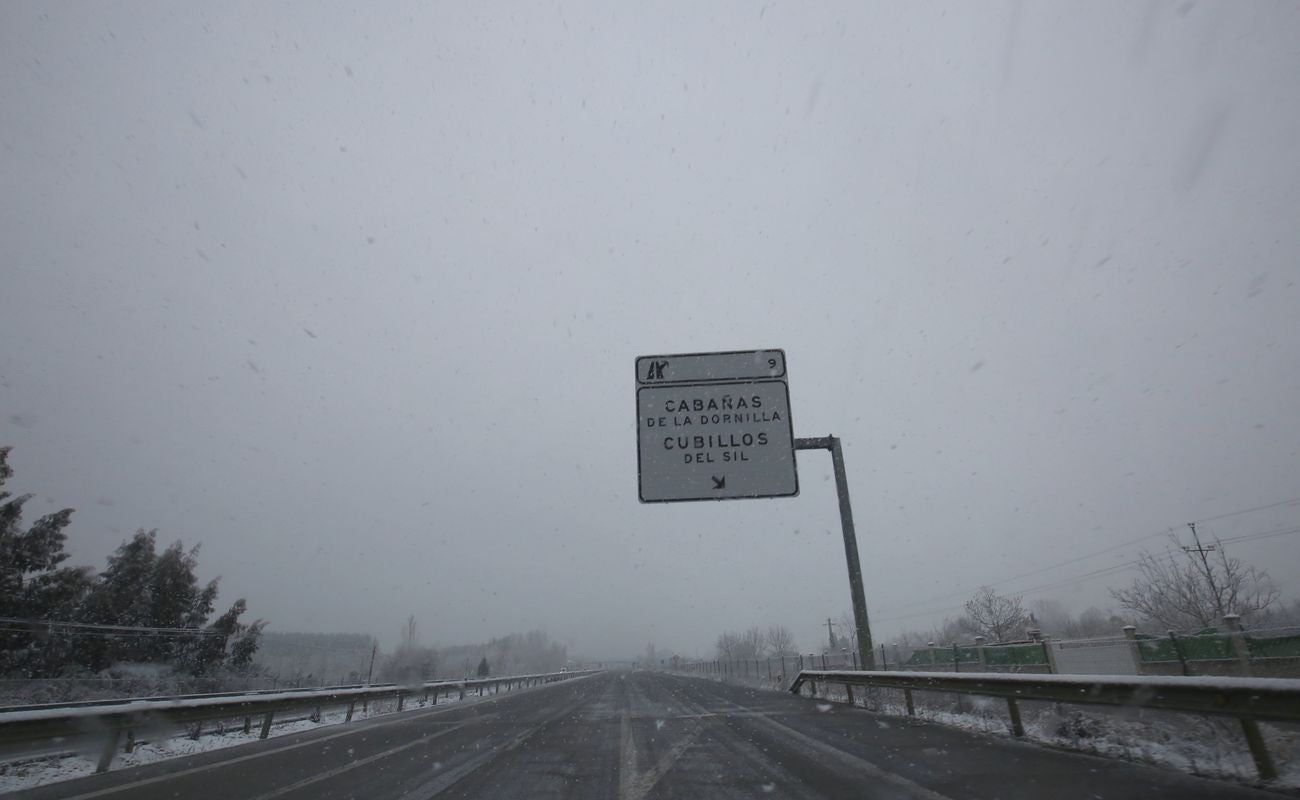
(1095, 657)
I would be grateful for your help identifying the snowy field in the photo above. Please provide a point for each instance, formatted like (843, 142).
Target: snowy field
(26, 774)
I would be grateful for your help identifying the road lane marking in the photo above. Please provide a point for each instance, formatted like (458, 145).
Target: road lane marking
(444, 781)
(909, 787)
(639, 784)
(215, 765)
(626, 756)
(353, 729)
(283, 790)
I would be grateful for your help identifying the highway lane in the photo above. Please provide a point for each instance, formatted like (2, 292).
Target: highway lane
(635, 736)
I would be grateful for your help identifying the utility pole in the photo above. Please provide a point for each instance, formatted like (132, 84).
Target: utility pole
(830, 633)
(370, 673)
(1201, 551)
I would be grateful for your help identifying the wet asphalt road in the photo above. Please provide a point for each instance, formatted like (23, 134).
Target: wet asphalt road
(632, 735)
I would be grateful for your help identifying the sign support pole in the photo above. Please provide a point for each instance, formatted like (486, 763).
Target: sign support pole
(832, 443)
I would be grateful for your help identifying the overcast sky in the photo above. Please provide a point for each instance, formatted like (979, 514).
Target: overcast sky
(352, 295)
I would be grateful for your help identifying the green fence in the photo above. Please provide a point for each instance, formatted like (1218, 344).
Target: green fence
(1274, 647)
(1016, 655)
(1189, 648)
(1012, 655)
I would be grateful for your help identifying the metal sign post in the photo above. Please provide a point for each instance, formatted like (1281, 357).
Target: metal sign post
(716, 426)
(860, 619)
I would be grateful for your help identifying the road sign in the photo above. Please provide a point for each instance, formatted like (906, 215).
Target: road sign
(714, 426)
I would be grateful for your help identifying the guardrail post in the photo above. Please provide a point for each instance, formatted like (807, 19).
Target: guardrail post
(1258, 749)
(110, 750)
(266, 725)
(907, 699)
(462, 691)
(1017, 727)
(401, 700)
(848, 689)
(351, 707)
(130, 741)
(248, 724)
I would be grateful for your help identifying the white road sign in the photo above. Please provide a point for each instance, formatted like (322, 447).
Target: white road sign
(714, 426)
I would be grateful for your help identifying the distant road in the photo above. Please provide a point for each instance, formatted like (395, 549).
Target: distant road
(633, 735)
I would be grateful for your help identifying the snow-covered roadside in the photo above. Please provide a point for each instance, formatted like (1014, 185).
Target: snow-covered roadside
(39, 772)
(1211, 747)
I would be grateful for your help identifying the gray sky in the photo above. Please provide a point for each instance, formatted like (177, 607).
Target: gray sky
(352, 295)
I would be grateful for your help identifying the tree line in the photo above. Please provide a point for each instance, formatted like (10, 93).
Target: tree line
(1181, 589)
(774, 641)
(513, 654)
(146, 605)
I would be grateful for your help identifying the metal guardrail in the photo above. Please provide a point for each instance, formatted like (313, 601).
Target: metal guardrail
(117, 701)
(1247, 699)
(109, 721)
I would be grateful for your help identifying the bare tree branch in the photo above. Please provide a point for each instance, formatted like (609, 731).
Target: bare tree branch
(994, 615)
(1176, 590)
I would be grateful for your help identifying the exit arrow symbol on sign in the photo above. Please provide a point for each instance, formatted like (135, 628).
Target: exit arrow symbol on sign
(719, 483)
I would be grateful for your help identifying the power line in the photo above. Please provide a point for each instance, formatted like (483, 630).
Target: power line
(1278, 504)
(127, 630)
(102, 634)
(1089, 575)
(1041, 588)
(1039, 571)
(1167, 557)
(1250, 537)
(1111, 549)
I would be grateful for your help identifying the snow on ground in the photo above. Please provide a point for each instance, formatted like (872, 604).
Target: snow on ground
(1211, 747)
(28, 774)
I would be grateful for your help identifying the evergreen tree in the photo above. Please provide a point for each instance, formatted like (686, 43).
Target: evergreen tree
(483, 669)
(27, 556)
(245, 646)
(173, 592)
(120, 596)
(32, 584)
(210, 649)
(140, 588)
